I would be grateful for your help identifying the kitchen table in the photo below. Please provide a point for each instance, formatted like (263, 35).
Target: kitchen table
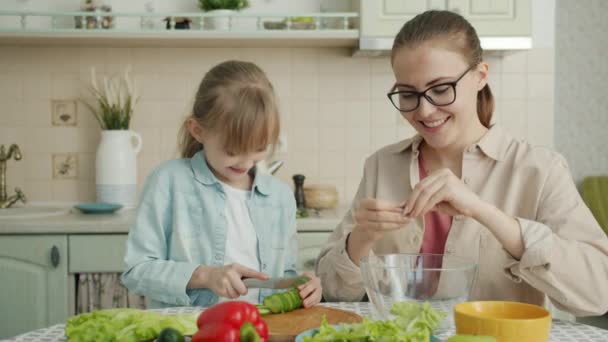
(561, 331)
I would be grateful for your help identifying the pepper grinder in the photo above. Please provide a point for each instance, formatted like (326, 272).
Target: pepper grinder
(298, 180)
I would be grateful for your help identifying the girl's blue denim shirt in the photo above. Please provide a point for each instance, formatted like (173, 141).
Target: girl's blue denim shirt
(180, 225)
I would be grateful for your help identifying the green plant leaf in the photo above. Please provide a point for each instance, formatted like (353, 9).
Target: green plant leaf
(209, 5)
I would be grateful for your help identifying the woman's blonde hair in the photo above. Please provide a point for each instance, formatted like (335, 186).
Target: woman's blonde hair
(237, 100)
(460, 35)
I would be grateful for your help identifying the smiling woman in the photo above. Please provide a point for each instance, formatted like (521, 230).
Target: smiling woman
(507, 205)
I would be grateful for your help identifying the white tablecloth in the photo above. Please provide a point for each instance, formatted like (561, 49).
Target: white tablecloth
(561, 331)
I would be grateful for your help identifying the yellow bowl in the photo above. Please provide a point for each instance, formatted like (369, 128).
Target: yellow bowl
(506, 321)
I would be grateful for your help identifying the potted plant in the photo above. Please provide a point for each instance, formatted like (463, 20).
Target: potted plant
(116, 159)
(223, 9)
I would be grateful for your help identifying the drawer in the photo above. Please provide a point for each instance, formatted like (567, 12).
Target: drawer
(97, 253)
(309, 246)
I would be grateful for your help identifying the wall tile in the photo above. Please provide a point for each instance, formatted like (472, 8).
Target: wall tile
(306, 163)
(354, 163)
(332, 139)
(305, 87)
(305, 113)
(334, 107)
(514, 118)
(66, 86)
(37, 86)
(331, 164)
(86, 163)
(332, 114)
(38, 167)
(541, 86)
(384, 114)
(306, 60)
(332, 87)
(540, 113)
(11, 87)
(38, 191)
(381, 84)
(541, 60)
(357, 114)
(357, 86)
(332, 61)
(513, 86)
(13, 115)
(514, 62)
(358, 139)
(382, 136)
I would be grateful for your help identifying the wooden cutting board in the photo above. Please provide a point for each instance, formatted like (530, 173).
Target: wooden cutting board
(285, 327)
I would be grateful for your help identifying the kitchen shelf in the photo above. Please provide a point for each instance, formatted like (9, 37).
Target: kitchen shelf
(244, 30)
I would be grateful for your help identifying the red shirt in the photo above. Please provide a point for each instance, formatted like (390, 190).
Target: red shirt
(436, 228)
(436, 225)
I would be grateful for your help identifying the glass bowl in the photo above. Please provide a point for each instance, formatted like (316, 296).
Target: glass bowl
(441, 280)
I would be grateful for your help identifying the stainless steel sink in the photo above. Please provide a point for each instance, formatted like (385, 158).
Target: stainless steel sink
(29, 212)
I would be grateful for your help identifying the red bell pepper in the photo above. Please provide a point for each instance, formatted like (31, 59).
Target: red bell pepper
(233, 321)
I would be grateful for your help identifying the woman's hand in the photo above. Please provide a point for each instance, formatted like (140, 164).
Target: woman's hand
(311, 291)
(373, 219)
(225, 281)
(442, 191)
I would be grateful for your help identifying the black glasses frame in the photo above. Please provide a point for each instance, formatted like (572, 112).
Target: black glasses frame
(420, 94)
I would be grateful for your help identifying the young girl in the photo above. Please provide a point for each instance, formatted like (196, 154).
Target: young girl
(464, 187)
(209, 220)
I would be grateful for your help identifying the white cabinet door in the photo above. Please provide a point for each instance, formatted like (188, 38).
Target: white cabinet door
(309, 246)
(384, 18)
(33, 274)
(496, 17)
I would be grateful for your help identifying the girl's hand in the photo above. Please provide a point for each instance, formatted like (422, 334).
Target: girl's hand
(225, 281)
(375, 217)
(311, 291)
(442, 191)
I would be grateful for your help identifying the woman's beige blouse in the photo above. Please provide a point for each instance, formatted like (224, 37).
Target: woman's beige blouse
(566, 252)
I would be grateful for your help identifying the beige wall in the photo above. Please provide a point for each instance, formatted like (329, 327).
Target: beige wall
(334, 107)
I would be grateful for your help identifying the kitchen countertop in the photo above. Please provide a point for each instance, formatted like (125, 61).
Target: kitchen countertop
(74, 222)
(561, 331)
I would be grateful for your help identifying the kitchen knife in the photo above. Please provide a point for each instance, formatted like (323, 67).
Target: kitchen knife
(272, 283)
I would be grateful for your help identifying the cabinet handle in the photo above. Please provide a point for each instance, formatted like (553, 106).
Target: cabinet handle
(55, 256)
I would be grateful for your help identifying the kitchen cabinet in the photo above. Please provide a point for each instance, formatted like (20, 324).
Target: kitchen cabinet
(309, 246)
(37, 273)
(34, 278)
(491, 18)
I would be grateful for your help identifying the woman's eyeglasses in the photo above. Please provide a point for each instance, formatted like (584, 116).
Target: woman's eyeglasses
(442, 94)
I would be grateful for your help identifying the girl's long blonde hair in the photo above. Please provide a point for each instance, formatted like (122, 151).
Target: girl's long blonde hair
(236, 100)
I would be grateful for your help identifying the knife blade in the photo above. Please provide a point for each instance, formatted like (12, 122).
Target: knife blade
(272, 283)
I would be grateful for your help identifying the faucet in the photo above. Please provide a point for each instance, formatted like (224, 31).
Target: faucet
(5, 201)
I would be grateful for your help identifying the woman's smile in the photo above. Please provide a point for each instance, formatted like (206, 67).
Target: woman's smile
(434, 125)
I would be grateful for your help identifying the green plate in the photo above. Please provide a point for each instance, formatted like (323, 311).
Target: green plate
(98, 208)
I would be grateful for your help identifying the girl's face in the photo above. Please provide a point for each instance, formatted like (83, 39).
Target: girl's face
(232, 169)
(430, 64)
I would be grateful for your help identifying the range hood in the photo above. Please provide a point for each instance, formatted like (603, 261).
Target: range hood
(381, 46)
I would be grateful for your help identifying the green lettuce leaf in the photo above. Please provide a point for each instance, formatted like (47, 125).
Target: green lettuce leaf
(126, 325)
(414, 323)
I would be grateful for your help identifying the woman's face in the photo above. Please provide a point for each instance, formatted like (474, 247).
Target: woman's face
(431, 64)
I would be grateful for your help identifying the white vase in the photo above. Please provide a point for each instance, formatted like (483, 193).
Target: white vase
(219, 23)
(116, 167)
